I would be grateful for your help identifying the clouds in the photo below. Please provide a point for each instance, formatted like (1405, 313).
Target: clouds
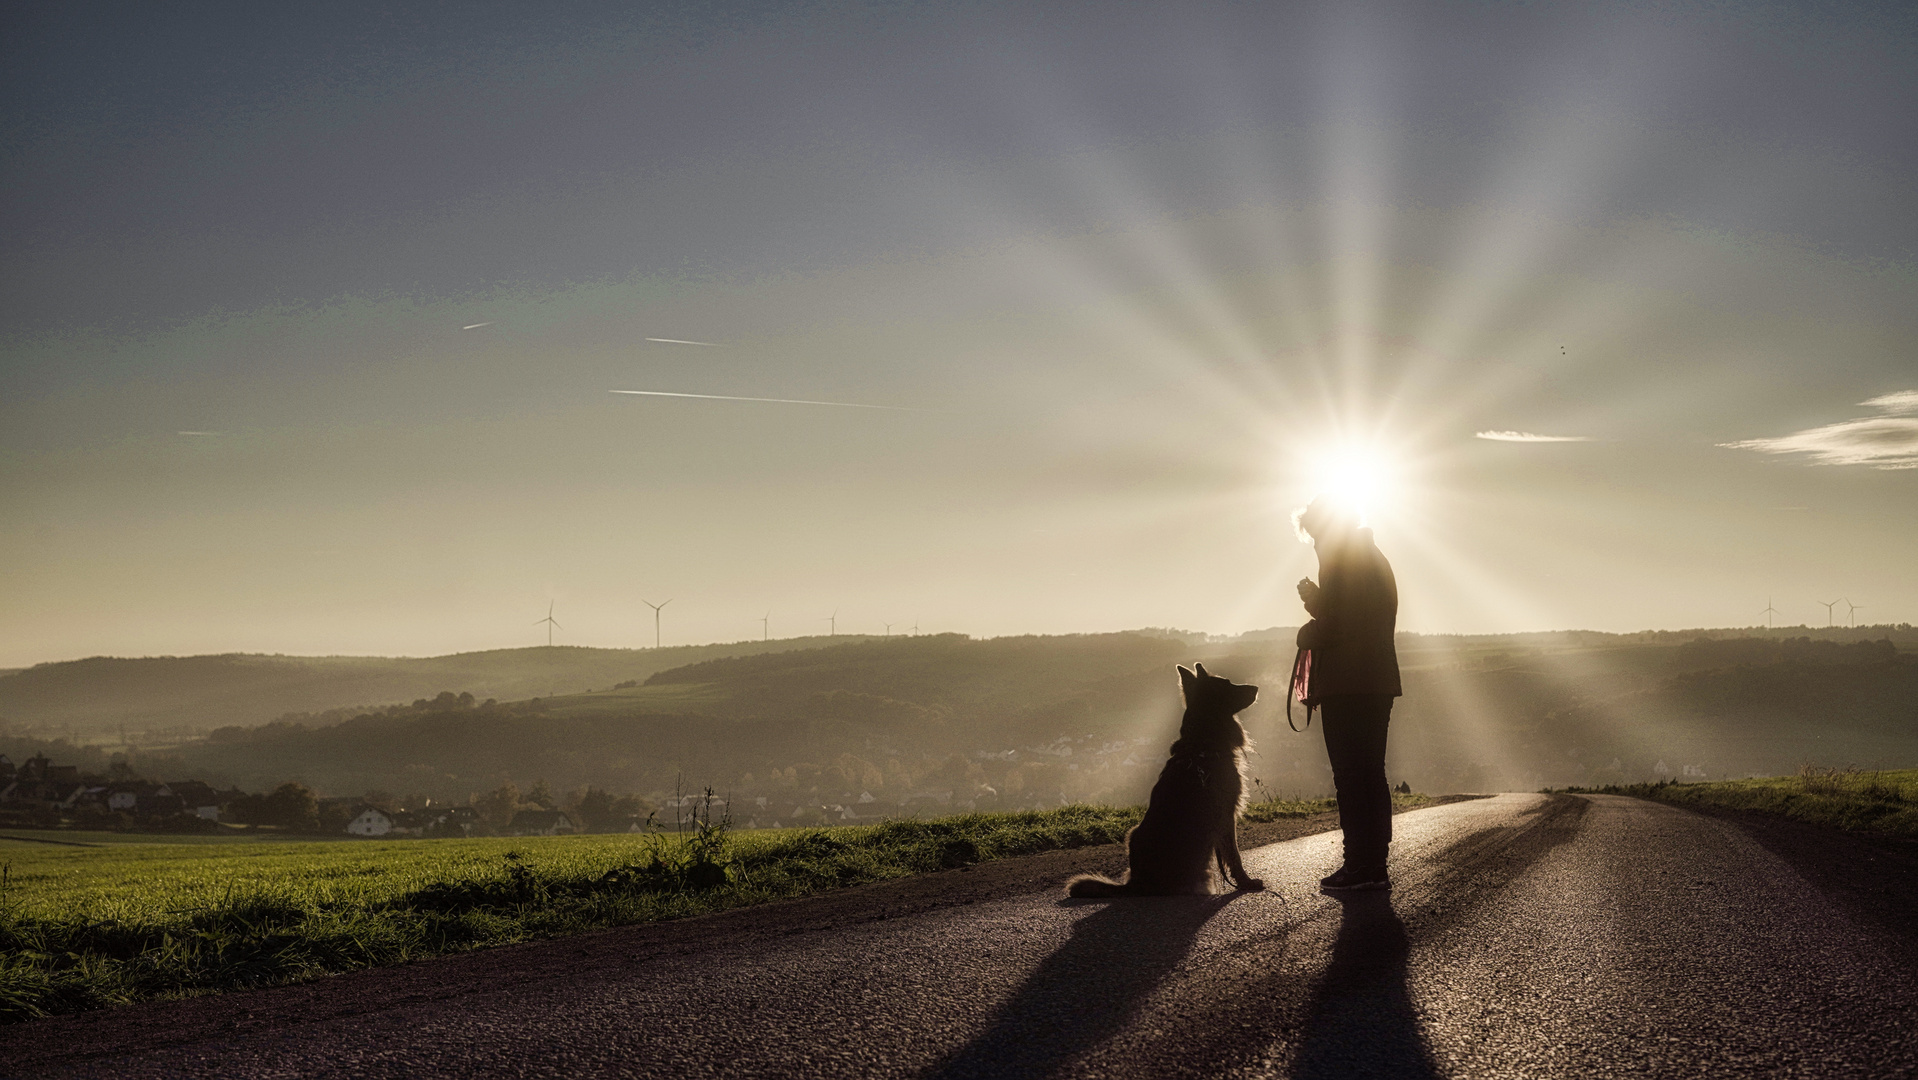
(1882, 442)
(1527, 436)
(1898, 402)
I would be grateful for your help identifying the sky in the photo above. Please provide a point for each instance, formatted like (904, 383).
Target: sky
(314, 319)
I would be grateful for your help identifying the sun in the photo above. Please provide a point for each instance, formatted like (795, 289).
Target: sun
(1365, 475)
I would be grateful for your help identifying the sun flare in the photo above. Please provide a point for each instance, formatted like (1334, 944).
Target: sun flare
(1363, 474)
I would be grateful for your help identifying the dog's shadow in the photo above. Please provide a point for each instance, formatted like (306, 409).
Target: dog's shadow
(1084, 993)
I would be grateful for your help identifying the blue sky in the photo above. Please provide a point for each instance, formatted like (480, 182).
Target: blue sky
(1142, 270)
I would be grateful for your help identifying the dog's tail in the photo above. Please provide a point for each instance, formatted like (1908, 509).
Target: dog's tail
(1093, 885)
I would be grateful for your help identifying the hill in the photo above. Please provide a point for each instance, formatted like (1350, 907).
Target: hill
(905, 725)
(103, 695)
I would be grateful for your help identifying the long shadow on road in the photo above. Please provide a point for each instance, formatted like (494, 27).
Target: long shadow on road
(1084, 994)
(1361, 1021)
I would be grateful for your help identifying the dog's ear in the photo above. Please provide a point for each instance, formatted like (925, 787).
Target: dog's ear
(1186, 678)
(1202, 671)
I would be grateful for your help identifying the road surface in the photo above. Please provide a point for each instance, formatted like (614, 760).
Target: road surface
(1526, 936)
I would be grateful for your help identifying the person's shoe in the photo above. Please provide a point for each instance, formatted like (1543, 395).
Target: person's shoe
(1356, 879)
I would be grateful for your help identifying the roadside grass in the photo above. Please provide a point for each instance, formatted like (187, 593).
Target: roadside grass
(1266, 807)
(1885, 803)
(94, 927)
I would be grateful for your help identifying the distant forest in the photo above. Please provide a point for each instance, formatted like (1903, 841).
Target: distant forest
(831, 728)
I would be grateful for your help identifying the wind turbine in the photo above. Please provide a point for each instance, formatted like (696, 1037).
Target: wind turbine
(1851, 612)
(889, 627)
(1829, 605)
(766, 625)
(1768, 612)
(656, 609)
(915, 629)
(832, 623)
(550, 624)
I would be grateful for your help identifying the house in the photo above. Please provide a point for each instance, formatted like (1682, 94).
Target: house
(541, 823)
(38, 769)
(39, 784)
(453, 821)
(144, 799)
(413, 822)
(198, 798)
(370, 821)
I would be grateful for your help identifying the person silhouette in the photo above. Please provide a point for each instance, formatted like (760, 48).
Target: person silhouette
(1354, 677)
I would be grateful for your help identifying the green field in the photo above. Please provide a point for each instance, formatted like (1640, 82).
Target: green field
(147, 877)
(85, 927)
(1876, 802)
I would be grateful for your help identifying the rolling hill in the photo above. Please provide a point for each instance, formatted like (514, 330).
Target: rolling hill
(103, 695)
(894, 725)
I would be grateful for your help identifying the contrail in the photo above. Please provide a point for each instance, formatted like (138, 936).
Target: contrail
(771, 400)
(682, 341)
(1527, 436)
(476, 326)
(199, 433)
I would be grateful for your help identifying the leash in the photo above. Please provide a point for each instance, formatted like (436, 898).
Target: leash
(1301, 676)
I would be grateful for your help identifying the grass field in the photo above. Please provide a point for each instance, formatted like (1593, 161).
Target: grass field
(126, 918)
(1878, 802)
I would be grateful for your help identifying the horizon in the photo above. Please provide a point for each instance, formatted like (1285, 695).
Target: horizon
(851, 637)
(362, 333)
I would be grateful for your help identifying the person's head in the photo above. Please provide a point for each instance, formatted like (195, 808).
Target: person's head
(1326, 518)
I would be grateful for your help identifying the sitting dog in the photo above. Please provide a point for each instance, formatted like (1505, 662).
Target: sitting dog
(1193, 817)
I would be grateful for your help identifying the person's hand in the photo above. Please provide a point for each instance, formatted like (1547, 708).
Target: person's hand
(1309, 593)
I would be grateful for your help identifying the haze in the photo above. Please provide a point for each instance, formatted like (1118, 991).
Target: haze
(312, 318)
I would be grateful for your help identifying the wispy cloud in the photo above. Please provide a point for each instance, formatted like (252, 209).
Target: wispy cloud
(1528, 436)
(1897, 403)
(770, 400)
(1881, 442)
(682, 341)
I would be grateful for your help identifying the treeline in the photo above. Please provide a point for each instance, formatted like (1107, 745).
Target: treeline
(1757, 652)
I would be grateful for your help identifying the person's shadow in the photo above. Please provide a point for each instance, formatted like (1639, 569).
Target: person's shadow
(1084, 993)
(1360, 1021)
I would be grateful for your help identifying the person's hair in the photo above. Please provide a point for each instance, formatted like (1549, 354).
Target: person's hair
(1312, 518)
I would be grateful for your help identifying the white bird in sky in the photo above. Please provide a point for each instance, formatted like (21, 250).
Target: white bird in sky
(772, 400)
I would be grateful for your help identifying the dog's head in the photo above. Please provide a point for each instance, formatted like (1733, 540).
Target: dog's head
(1209, 693)
(1211, 703)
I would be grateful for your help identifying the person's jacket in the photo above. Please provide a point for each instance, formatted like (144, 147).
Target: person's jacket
(1351, 634)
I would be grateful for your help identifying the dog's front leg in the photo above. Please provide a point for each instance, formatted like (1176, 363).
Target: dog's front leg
(1230, 864)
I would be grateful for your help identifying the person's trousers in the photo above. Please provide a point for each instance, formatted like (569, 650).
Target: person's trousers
(1354, 728)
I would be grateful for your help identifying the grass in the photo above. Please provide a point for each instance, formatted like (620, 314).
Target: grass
(94, 927)
(16, 839)
(1885, 803)
(1272, 808)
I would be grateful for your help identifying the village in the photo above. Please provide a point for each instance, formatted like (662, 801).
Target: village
(39, 793)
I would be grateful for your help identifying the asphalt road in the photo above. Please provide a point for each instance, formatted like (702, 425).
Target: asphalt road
(1526, 936)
